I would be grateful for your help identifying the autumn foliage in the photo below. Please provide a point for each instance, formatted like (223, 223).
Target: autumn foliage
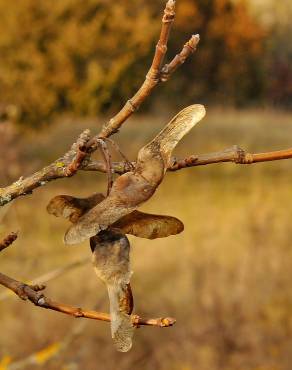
(87, 56)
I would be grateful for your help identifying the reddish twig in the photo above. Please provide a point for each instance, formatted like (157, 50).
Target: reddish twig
(33, 294)
(157, 72)
(56, 170)
(76, 163)
(152, 77)
(128, 165)
(234, 154)
(189, 48)
(79, 155)
(6, 242)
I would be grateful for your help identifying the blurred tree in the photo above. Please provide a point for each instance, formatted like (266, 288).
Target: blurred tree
(85, 56)
(228, 67)
(280, 55)
(70, 54)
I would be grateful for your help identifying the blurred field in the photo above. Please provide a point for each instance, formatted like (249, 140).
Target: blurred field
(226, 279)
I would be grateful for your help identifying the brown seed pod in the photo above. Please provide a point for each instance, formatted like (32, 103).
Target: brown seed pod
(111, 262)
(149, 226)
(72, 208)
(106, 220)
(132, 189)
(140, 224)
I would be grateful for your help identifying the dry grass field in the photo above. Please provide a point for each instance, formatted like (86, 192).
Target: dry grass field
(227, 278)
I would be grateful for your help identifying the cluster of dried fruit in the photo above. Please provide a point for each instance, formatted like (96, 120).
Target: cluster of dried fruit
(107, 220)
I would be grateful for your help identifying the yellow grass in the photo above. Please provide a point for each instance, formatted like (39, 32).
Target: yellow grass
(227, 279)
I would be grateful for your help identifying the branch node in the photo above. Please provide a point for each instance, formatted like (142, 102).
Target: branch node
(189, 48)
(193, 42)
(21, 291)
(242, 156)
(135, 321)
(248, 158)
(78, 313)
(76, 163)
(169, 12)
(167, 321)
(132, 106)
(153, 75)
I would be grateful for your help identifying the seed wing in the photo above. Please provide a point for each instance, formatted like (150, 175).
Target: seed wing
(149, 226)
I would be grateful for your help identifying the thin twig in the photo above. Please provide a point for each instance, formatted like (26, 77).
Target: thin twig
(6, 242)
(55, 170)
(76, 163)
(152, 77)
(188, 49)
(234, 154)
(33, 294)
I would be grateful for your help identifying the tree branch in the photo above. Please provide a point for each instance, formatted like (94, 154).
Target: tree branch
(189, 48)
(234, 154)
(34, 294)
(76, 162)
(156, 73)
(62, 167)
(79, 154)
(57, 169)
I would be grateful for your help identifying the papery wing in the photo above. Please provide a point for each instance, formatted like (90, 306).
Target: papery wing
(111, 260)
(122, 329)
(72, 208)
(144, 225)
(132, 189)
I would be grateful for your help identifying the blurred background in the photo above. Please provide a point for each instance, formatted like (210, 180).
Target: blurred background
(70, 65)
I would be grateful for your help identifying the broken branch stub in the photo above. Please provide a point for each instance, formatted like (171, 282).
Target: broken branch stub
(8, 240)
